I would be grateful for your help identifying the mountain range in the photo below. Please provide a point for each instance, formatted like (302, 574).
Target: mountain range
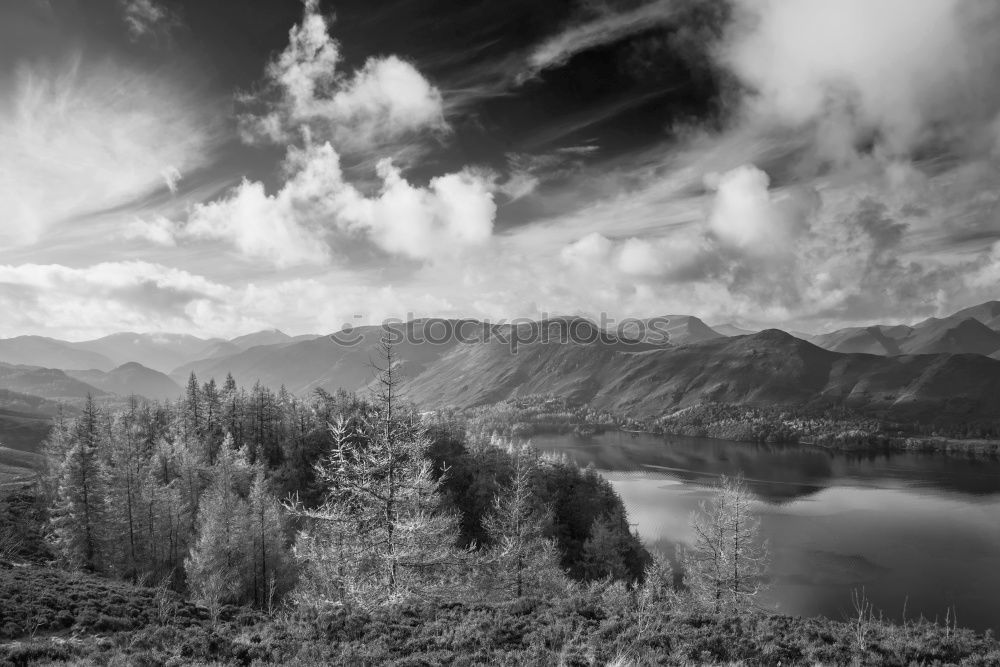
(949, 367)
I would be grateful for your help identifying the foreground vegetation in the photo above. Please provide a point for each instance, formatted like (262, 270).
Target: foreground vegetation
(59, 617)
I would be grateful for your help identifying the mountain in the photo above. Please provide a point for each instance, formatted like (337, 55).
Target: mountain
(131, 378)
(866, 340)
(47, 383)
(681, 329)
(161, 352)
(770, 368)
(952, 335)
(974, 330)
(988, 313)
(729, 329)
(222, 348)
(321, 362)
(267, 337)
(51, 353)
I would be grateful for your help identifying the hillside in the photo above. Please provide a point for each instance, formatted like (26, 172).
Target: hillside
(49, 383)
(321, 362)
(771, 369)
(161, 352)
(267, 337)
(51, 353)
(680, 329)
(973, 330)
(131, 378)
(767, 369)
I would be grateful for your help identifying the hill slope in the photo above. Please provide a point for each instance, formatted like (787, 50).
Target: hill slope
(131, 378)
(771, 369)
(51, 353)
(973, 330)
(47, 383)
(161, 352)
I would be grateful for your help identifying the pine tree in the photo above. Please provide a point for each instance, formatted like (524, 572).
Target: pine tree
(725, 567)
(522, 559)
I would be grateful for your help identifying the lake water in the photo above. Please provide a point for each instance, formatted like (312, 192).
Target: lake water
(915, 531)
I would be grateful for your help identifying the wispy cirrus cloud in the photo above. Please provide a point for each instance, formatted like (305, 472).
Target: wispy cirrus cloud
(606, 29)
(82, 137)
(147, 18)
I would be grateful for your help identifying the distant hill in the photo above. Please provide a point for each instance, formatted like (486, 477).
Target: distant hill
(47, 383)
(987, 313)
(729, 329)
(681, 329)
(771, 368)
(267, 337)
(161, 352)
(952, 335)
(131, 378)
(320, 362)
(51, 353)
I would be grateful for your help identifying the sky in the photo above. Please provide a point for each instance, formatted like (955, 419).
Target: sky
(216, 168)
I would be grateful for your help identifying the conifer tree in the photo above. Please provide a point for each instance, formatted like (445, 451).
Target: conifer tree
(217, 566)
(603, 552)
(383, 533)
(192, 407)
(522, 559)
(127, 469)
(78, 517)
(725, 567)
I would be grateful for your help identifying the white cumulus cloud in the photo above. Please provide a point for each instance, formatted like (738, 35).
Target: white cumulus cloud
(387, 99)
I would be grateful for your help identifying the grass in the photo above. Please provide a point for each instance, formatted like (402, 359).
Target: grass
(54, 617)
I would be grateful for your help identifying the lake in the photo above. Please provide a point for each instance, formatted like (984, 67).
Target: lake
(919, 533)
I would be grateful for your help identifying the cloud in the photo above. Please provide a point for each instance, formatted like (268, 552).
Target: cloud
(896, 72)
(85, 137)
(745, 215)
(116, 295)
(453, 212)
(608, 28)
(385, 101)
(171, 176)
(159, 231)
(316, 208)
(146, 18)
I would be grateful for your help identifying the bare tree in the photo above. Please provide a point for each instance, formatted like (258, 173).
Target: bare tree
(725, 567)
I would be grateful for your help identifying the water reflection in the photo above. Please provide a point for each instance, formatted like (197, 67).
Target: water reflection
(914, 530)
